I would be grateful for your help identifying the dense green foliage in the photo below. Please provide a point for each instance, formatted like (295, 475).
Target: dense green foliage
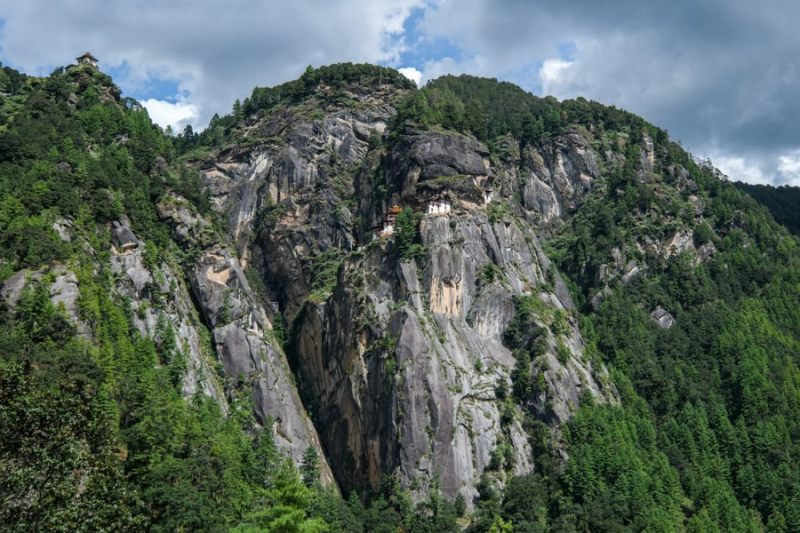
(70, 147)
(490, 109)
(336, 79)
(406, 236)
(58, 469)
(783, 202)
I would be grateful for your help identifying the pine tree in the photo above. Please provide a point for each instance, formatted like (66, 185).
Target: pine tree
(309, 468)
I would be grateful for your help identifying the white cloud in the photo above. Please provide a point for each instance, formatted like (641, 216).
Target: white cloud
(740, 169)
(551, 74)
(412, 74)
(174, 114)
(779, 168)
(789, 168)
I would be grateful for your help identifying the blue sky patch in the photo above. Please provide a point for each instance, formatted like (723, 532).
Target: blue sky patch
(567, 51)
(526, 76)
(421, 49)
(155, 87)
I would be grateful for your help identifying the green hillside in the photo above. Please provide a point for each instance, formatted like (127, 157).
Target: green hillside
(783, 202)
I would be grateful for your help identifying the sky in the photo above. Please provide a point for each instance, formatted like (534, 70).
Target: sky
(722, 76)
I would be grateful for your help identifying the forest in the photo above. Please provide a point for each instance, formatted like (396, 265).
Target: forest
(781, 202)
(96, 435)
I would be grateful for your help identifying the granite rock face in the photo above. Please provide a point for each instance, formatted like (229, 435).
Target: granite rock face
(401, 363)
(160, 292)
(662, 318)
(555, 176)
(11, 292)
(62, 288)
(429, 164)
(406, 361)
(245, 179)
(123, 237)
(242, 332)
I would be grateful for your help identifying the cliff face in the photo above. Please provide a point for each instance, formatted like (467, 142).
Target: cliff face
(555, 176)
(386, 361)
(401, 364)
(210, 293)
(406, 364)
(242, 332)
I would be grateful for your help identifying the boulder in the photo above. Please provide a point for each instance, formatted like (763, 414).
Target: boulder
(13, 287)
(123, 237)
(662, 318)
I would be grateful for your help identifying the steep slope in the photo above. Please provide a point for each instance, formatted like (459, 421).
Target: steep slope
(400, 355)
(689, 290)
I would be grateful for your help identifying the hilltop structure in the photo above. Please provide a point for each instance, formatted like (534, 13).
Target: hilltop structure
(87, 59)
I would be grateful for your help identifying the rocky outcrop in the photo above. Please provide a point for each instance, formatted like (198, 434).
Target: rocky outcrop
(152, 292)
(63, 227)
(188, 229)
(678, 242)
(403, 363)
(123, 237)
(160, 292)
(555, 176)
(427, 164)
(64, 293)
(662, 318)
(11, 292)
(399, 362)
(648, 158)
(242, 332)
(62, 287)
(246, 179)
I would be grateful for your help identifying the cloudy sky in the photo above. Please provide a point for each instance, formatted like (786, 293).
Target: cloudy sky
(723, 76)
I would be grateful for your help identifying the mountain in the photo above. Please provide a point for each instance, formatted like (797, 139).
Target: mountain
(782, 202)
(461, 306)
